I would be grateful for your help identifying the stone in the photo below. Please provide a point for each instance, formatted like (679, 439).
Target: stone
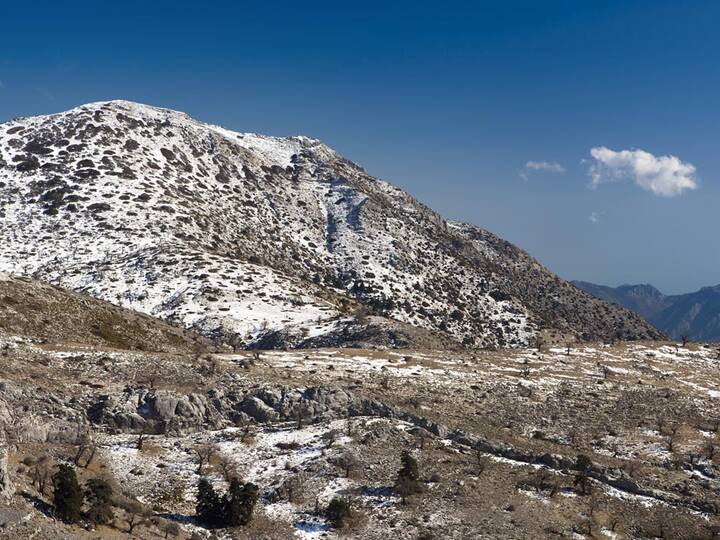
(6, 486)
(258, 410)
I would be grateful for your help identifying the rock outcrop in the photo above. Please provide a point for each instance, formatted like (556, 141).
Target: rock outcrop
(6, 484)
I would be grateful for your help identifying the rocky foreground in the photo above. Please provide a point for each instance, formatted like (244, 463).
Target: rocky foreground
(605, 441)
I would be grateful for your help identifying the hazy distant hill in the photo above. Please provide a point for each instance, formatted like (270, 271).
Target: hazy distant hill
(696, 314)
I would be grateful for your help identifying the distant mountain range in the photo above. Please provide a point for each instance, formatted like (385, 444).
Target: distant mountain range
(696, 315)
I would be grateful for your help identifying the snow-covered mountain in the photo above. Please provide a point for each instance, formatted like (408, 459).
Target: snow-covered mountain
(272, 241)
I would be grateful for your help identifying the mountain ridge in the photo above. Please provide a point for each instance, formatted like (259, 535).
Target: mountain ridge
(695, 315)
(241, 236)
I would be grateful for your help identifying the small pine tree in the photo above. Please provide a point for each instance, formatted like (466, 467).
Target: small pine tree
(338, 512)
(209, 505)
(408, 478)
(239, 503)
(409, 467)
(583, 463)
(98, 493)
(582, 483)
(68, 494)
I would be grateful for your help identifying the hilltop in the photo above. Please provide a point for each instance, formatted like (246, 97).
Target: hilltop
(264, 241)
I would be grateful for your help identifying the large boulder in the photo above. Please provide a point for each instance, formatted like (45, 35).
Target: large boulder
(258, 410)
(154, 411)
(269, 404)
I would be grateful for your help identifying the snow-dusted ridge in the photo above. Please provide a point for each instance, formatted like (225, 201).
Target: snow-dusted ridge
(241, 235)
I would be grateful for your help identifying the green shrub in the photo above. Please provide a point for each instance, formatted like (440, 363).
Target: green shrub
(338, 513)
(98, 493)
(67, 494)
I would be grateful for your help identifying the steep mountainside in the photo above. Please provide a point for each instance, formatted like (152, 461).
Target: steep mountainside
(253, 238)
(30, 308)
(696, 315)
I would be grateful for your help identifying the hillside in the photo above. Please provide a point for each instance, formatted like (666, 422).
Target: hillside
(29, 308)
(591, 441)
(259, 240)
(695, 315)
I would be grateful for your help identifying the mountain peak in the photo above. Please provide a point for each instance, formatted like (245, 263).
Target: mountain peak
(263, 240)
(279, 150)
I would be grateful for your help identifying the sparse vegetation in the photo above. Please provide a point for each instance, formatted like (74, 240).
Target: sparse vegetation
(99, 494)
(500, 460)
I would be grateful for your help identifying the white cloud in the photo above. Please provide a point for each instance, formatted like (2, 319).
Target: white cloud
(595, 217)
(545, 166)
(662, 175)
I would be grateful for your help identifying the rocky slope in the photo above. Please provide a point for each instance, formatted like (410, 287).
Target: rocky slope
(256, 239)
(603, 441)
(29, 308)
(696, 315)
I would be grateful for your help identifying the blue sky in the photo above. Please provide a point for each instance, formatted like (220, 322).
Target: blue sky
(447, 100)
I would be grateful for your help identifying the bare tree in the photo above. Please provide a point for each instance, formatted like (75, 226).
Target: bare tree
(41, 473)
(85, 443)
(204, 453)
(136, 514)
(141, 438)
(228, 466)
(348, 462)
